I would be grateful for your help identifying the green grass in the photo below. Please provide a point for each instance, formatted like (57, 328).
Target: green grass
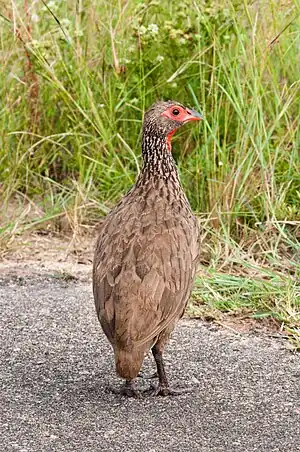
(75, 79)
(276, 298)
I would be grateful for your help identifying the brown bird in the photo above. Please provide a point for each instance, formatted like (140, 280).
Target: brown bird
(147, 253)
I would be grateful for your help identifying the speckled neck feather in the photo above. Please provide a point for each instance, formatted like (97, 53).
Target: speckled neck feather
(156, 149)
(158, 160)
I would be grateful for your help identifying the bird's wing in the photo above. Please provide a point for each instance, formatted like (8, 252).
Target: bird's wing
(143, 275)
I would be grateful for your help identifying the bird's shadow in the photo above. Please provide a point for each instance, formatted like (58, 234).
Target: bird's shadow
(71, 386)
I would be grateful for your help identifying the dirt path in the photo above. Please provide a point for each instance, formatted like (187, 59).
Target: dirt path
(56, 366)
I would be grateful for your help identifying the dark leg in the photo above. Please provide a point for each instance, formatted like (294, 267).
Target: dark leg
(162, 376)
(128, 389)
(163, 388)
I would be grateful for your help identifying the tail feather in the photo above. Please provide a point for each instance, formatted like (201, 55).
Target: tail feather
(128, 363)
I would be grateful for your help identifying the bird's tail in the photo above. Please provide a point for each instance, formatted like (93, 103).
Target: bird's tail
(128, 363)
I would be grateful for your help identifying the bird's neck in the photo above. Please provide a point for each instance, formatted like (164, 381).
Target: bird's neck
(158, 160)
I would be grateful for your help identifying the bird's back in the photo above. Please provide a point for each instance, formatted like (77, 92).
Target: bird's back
(144, 265)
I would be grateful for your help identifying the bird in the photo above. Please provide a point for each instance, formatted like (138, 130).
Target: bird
(147, 254)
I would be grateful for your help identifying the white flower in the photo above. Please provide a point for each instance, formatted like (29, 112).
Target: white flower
(220, 163)
(65, 23)
(134, 101)
(142, 30)
(153, 28)
(34, 43)
(160, 58)
(101, 105)
(52, 4)
(34, 17)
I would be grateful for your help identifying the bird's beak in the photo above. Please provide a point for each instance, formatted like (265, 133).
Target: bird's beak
(192, 115)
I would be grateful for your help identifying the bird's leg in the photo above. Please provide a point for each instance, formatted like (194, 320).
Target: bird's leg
(163, 387)
(162, 376)
(127, 390)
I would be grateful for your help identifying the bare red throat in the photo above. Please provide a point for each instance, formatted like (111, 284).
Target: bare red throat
(169, 138)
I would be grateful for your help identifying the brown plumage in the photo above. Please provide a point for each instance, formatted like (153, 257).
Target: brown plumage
(147, 253)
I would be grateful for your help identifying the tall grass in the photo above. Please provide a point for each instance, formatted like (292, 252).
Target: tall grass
(76, 80)
(76, 77)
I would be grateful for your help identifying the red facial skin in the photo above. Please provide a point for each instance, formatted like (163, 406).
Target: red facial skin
(169, 138)
(185, 115)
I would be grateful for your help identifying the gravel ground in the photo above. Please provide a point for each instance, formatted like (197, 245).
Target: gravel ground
(56, 366)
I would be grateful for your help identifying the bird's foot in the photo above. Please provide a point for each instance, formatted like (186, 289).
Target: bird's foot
(130, 392)
(127, 390)
(164, 391)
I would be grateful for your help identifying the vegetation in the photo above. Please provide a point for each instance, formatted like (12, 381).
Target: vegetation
(75, 79)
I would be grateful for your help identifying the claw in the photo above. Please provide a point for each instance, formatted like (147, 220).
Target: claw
(164, 391)
(130, 392)
(127, 390)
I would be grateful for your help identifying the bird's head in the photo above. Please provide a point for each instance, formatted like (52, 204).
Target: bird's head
(164, 117)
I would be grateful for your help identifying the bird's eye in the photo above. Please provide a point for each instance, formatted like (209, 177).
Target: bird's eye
(175, 112)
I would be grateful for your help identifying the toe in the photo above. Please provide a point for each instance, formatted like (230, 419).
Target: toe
(164, 391)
